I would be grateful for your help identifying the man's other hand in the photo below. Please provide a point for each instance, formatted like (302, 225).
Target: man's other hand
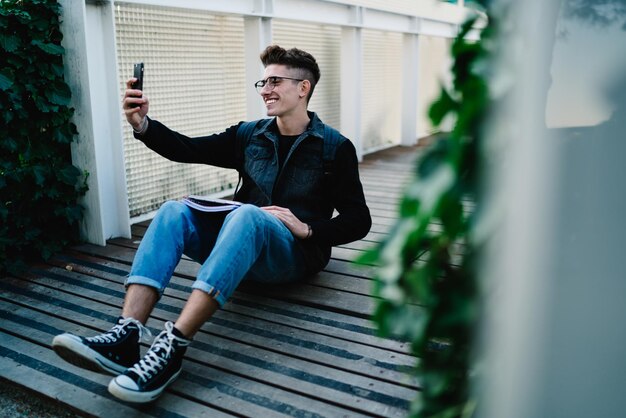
(298, 228)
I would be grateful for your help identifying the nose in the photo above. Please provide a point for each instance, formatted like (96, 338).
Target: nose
(265, 89)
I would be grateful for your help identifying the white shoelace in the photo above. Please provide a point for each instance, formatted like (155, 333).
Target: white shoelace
(118, 330)
(159, 353)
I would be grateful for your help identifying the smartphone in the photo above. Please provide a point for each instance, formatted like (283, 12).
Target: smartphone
(138, 74)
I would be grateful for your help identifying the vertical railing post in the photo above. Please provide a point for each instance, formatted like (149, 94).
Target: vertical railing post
(91, 72)
(352, 81)
(410, 83)
(258, 35)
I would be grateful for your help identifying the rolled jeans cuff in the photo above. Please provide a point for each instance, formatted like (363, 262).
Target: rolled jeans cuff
(215, 293)
(145, 281)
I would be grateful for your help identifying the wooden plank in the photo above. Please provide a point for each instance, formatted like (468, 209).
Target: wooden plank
(313, 296)
(381, 195)
(346, 327)
(385, 209)
(392, 192)
(395, 184)
(374, 172)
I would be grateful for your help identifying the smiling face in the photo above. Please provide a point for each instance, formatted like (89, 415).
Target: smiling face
(287, 96)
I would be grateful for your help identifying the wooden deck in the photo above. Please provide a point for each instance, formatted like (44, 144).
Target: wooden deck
(305, 350)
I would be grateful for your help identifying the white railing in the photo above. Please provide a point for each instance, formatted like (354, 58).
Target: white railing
(376, 80)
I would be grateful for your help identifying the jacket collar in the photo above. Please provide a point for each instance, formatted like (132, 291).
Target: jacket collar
(269, 127)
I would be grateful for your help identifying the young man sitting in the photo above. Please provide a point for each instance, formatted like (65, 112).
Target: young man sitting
(295, 172)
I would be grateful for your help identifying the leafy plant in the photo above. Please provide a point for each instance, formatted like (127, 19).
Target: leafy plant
(39, 186)
(427, 278)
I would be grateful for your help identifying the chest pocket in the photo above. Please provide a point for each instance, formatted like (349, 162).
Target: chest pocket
(305, 167)
(260, 164)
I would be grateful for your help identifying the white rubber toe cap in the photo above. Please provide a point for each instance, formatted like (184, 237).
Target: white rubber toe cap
(126, 382)
(66, 340)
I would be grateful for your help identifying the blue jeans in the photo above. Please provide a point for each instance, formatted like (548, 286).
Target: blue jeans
(248, 243)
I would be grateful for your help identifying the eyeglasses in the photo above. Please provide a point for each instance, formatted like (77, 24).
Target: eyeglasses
(272, 82)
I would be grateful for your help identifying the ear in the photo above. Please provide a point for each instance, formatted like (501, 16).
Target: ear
(305, 88)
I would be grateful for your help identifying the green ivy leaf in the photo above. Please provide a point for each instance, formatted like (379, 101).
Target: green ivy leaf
(441, 107)
(47, 252)
(60, 94)
(418, 281)
(11, 10)
(8, 116)
(409, 207)
(49, 48)
(9, 43)
(69, 174)
(6, 79)
(56, 70)
(44, 105)
(466, 27)
(39, 172)
(62, 137)
(31, 233)
(368, 258)
(433, 157)
(452, 215)
(74, 214)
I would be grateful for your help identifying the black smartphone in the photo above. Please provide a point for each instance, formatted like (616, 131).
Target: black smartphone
(138, 74)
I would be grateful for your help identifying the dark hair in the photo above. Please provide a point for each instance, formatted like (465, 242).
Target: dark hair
(296, 59)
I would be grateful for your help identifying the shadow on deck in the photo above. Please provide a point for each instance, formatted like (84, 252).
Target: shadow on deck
(300, 350)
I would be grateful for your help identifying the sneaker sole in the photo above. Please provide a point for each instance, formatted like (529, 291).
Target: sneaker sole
(71, 349)
(136, 396)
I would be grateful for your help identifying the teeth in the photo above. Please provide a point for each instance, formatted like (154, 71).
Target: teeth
(270, 101)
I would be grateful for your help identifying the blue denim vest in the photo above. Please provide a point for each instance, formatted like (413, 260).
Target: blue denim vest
(303, 184)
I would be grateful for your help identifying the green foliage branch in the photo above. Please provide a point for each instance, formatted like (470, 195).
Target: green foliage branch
(426, 280)
(39, 186)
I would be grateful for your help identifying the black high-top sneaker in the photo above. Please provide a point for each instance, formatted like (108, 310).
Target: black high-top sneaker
(146, 380)
(111, 352)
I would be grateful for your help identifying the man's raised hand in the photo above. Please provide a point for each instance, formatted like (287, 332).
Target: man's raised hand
(135, 105)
